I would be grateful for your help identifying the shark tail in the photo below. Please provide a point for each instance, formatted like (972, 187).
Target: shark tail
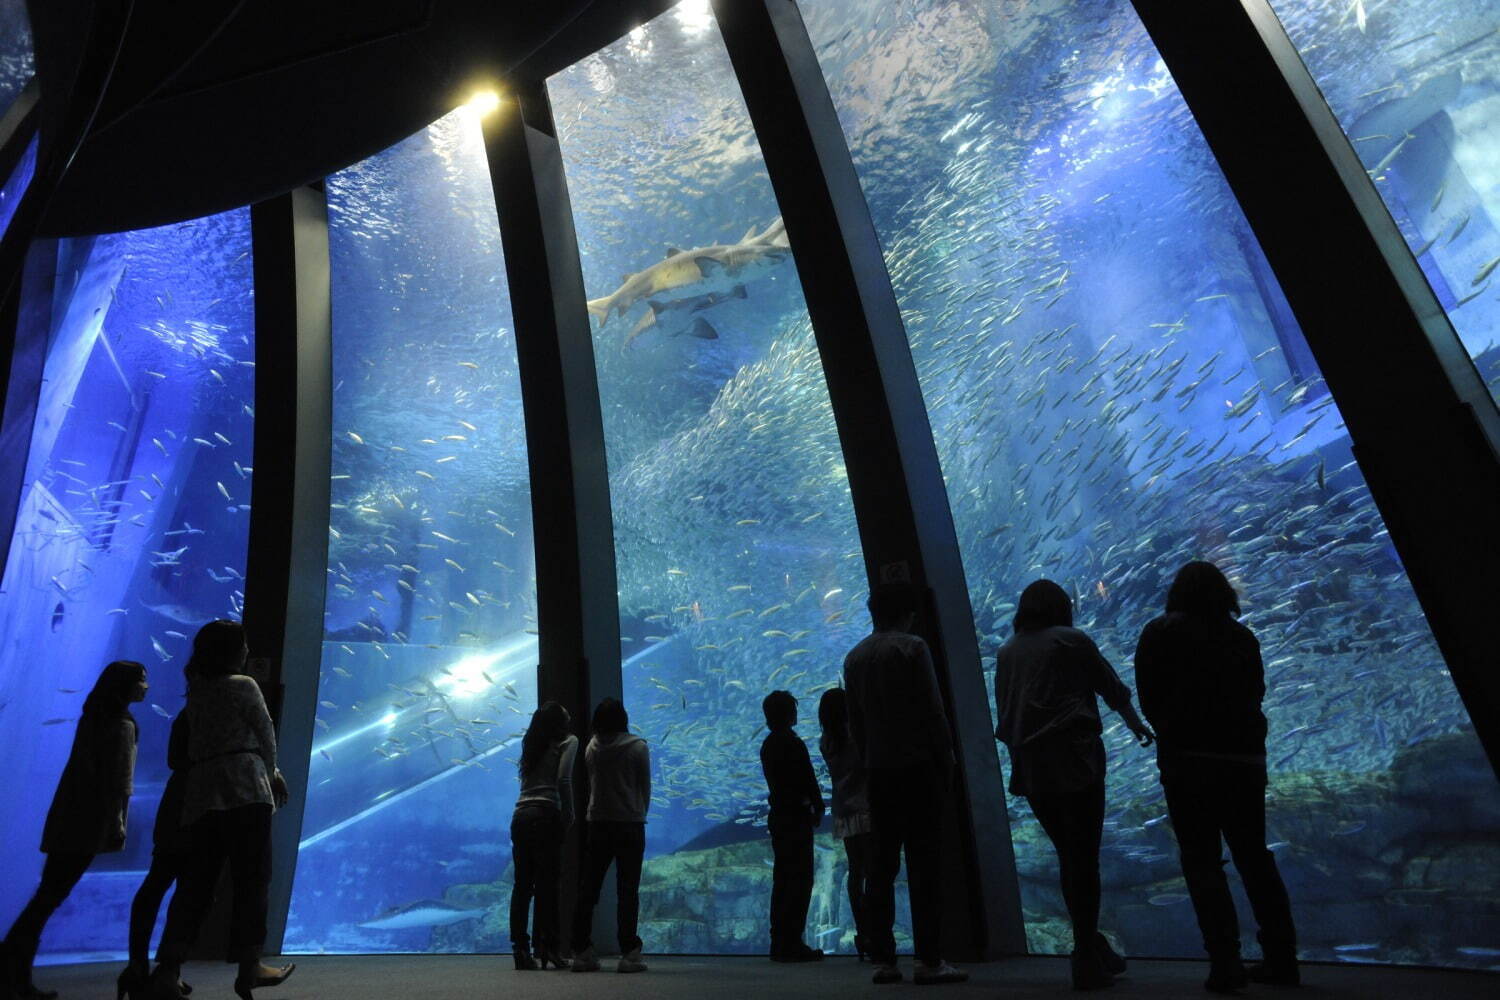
(599, 309)
(775, 234)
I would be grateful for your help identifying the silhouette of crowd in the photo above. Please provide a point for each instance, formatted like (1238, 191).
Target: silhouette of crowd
(890, 755)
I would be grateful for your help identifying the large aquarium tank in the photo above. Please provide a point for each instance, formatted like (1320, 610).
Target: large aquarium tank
(132, 525)
(428, 673)
(739, 562)
(1116, 387)
(17, 65)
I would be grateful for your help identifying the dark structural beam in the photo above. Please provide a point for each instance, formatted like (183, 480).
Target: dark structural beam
(577, 595)
(900, 501)
(286, 572)
(1425, 430)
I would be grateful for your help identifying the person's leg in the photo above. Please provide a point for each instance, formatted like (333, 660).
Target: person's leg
(596, 860)
(1245, 833)
(629, 840)
(250, 877)
(547, 851)
(923, 862)
(782, 849)
(196, 882)
(147, 904)
(523, 851)
(60, 874)
(1051, 813)
(1086, 831)
(857, 850)
(888, 813)
(1193, 808)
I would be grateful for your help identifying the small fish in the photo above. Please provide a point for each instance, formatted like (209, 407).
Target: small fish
(355, 437)
(1167, 898)
(55, 722)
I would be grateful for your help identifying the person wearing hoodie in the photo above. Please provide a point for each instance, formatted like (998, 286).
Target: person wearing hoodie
(619, 770)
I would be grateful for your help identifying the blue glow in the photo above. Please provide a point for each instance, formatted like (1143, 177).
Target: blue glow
(16, 185)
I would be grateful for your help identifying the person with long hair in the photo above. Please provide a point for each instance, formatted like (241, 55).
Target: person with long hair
(170, 850)
(851, 802)
(232, 789)
(1048, 678)
(543, 814)
(1202, 683)
(619, 770)
(88, 814)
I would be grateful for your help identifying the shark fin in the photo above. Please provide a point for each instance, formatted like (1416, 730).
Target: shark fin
(671, 252)
(702, 330)
(708, 265)
(645, 323)
(749, 234)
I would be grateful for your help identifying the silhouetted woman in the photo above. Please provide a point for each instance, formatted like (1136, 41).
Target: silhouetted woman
(619, 767)
(232, 789)
(88, 813)
(851, 800)
(544, 812)
(170, 850)
(1202, 682)
(1046, 678)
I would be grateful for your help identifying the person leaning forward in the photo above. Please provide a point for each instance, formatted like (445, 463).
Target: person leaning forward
(896, 718)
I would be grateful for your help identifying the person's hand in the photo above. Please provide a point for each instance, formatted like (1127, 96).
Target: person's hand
(279, 792)
(1143, 734)
(117, 835)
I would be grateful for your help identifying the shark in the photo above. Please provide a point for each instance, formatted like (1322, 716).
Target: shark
(422, 913)
(685, 282)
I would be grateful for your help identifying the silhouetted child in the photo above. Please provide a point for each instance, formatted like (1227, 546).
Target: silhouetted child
(796, 810)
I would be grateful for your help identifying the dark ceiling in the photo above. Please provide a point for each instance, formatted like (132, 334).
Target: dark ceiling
(218, 103)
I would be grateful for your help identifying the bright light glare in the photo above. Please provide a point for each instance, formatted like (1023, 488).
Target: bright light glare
(389, 718)
(484, 102)
(695, 16)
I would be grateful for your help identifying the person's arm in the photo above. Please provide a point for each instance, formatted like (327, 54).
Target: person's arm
(1107, 684)
(809, 777)
(565, 762)
(643, 773)
(178, 758)
(121, 771)
(932, 718)
(259, 718)
(854, 690)
(1148, 678)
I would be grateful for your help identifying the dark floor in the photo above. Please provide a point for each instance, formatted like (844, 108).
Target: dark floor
(463, 977)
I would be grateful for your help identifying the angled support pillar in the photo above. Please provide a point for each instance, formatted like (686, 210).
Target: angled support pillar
(1424, 428)
(577, 595)
(286, 572)
(900, 502)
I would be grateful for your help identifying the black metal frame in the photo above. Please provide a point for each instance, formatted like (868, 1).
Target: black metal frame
(1407, 389)
(286, 568)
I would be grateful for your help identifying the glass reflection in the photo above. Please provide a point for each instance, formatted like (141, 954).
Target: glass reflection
(429, 655)
(1117, 386)
(132, 526)
(17, 60)
(740, 567)
(1416, 87)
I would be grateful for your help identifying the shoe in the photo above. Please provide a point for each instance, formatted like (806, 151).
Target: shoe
(1089, 972)
(886, 973)
(242, 987)
(133, 982)
(524, 961)
(1226, 975)
(1113, 961)
(1277, 973)
(933, 975)
(631, 962)
(550, 956)
(159, 987)
(586, 961)
(859, 948)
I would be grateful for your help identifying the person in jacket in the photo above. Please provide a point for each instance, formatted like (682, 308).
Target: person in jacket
(232, 788)
(88, 814)
(851, 802)
(619, 771)
(1201, 681)
(1048, 678)
(900, 728)
(796, 811)
(543, 814)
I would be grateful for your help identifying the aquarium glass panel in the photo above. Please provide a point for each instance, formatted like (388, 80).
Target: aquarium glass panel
(16, 184)
(740, 566)
(1117, 386)
(132, 526)
(17, 61)
(429, 655)
(1416, 87)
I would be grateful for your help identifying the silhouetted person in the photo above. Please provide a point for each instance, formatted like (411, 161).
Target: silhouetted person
(796, 810)
(88, 813)
(898, 723)
(1201, 683)
(619, 768)
(232, 789)
(1047, 677)
(171, 848)
(851, 802)
(544, 812)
